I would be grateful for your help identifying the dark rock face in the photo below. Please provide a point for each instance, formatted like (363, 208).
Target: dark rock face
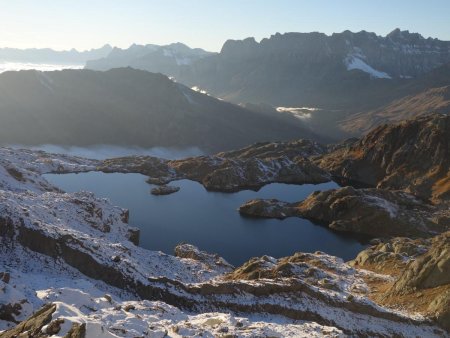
(134, 236)
(413, 156)
(8, 312)
(249, 168)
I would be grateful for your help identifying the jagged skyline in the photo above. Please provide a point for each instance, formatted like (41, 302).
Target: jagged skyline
(83, 25)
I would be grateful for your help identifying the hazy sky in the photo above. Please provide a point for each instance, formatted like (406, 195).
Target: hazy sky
(85, 24)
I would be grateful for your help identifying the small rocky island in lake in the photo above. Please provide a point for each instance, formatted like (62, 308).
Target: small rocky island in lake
(164, 190)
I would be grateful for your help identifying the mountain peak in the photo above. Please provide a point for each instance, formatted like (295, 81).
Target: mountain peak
(397, 34)
(239, 47)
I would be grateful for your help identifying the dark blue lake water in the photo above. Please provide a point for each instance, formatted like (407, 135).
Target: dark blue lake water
(210, 219)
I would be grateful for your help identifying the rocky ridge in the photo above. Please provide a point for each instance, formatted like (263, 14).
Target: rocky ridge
(413, 155)
(248, 168)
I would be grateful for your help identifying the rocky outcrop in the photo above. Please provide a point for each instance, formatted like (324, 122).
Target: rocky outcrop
(77, 331)
(373, 212)
(164, 190)
(214, 261)
(248, 168)
(391, 257)
(33, 326)
(413, 155)
(269, 208)
(419, 271)
(430, 270)
(42, 325)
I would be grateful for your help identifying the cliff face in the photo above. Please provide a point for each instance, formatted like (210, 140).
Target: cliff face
(413, 155)
(398, 54)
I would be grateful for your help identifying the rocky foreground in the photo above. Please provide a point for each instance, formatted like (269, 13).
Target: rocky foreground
(75, 253)
(70, 265)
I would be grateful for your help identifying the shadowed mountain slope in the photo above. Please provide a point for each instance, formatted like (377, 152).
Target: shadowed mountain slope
(127, 107)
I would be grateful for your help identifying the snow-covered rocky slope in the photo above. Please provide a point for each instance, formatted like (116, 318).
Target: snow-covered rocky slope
(77, 253)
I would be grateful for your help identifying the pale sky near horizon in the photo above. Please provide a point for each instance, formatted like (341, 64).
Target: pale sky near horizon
(86, 24)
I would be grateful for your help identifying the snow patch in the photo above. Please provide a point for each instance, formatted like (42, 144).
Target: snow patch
(199, 90)
(355, 62)
(301, 113)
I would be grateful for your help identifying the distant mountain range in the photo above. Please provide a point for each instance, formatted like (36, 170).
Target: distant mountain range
(153, 58)
(298, 69)
(125, 106)
(353, 81)
(50, 56)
